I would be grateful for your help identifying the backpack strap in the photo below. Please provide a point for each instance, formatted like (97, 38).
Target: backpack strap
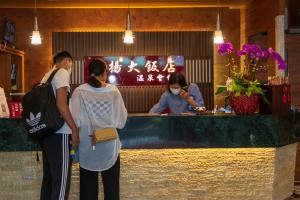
(52, 75)
(50, 79)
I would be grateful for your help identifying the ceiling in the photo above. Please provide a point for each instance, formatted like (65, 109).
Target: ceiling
(234, 4)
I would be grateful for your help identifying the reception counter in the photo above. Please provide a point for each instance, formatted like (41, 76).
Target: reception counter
(177, 157)
(144, 131)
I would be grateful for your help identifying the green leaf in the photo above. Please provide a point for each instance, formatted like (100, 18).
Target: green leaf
(265, 99)
(238, 93)
(221, 89)
(248, 93)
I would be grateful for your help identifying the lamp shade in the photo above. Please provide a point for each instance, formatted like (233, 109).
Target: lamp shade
(218, 37)
(36, 36)
(128, 34)
(128, 37)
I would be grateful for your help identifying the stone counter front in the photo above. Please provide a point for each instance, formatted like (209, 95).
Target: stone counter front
(172, 174)
(176, 158)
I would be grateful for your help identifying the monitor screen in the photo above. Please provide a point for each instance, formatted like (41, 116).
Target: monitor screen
(9, 31)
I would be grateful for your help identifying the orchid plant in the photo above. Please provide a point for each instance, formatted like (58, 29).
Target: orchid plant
(255, 59)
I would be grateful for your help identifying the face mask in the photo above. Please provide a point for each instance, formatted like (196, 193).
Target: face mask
(175, 91)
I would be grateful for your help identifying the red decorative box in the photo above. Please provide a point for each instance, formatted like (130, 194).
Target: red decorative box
(279, 97)
(15, 109)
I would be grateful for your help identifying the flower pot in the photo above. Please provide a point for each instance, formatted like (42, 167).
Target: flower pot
(244, 105)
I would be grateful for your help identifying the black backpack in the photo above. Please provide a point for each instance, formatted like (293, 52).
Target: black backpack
(40, 114)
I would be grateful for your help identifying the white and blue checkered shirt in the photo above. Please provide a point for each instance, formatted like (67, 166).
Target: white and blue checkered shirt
(98, 108)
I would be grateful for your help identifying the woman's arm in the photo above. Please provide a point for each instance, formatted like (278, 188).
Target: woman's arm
(194, 92)
(161, 105)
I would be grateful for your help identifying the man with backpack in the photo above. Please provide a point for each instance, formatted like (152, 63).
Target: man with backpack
(55, 147)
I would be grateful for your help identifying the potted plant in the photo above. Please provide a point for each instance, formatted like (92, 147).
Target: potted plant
(241, 86)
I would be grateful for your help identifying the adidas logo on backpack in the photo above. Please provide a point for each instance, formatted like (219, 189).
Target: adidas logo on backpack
(34, 121)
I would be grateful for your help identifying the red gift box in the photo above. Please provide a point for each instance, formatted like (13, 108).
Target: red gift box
(279, 97)
(15, 109)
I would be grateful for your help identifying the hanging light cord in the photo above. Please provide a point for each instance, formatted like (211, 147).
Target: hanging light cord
(128, 21)
(128, 16)
(35, 8)
(218, 16)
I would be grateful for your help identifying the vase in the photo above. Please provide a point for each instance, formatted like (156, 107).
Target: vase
(243, 104)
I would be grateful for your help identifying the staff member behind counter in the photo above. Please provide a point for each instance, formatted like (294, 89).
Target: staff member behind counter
(180, 97)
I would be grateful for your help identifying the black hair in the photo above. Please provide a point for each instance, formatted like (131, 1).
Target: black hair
(96, 68)
(178, 78)
(61, 56)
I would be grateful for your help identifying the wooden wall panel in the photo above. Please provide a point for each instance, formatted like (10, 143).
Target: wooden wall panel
(293, 58)
(195, 46)
(5, 61)
(38, 58)
(259, 18)
(191, 44)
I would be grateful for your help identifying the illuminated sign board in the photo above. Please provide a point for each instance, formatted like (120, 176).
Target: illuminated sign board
(138, 70)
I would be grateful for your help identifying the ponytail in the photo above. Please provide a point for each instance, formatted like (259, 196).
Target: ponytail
(94, 82)
(96, 68)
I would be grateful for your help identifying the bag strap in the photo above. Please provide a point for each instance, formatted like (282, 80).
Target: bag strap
(50, 79)
(52, 75)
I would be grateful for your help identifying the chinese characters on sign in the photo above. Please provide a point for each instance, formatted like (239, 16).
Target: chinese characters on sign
(114, 67)
(131, 66)
(139, 70)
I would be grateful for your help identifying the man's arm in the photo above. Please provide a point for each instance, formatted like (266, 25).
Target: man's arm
(62, 105)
